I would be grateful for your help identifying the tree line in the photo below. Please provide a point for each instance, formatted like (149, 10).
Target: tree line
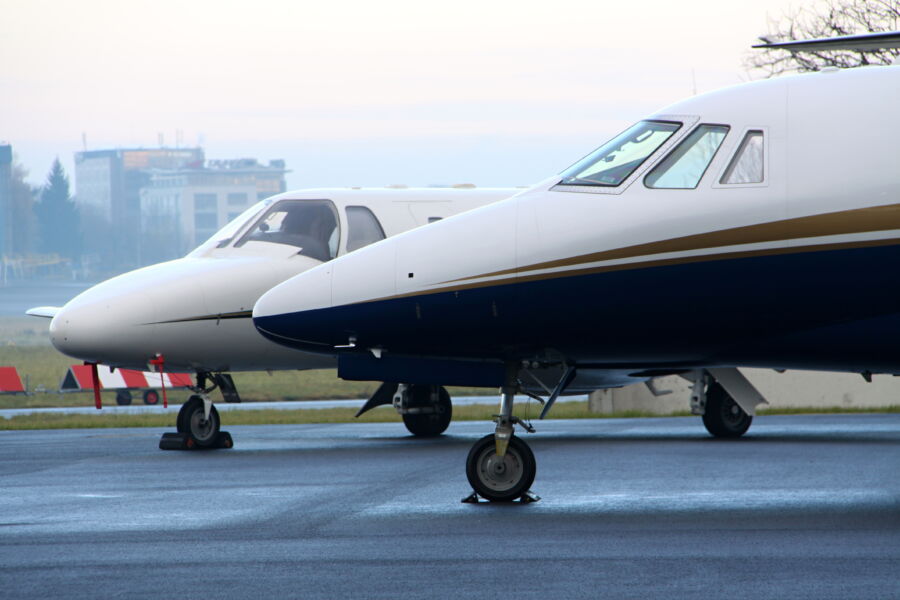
(43, 219)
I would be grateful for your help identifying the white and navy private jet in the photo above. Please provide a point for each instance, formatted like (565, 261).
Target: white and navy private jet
(756, 226)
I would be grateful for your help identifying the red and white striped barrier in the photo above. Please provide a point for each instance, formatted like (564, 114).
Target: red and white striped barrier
(10, 382)
(78, 378)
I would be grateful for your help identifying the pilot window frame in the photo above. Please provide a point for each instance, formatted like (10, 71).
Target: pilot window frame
(350, 229)
(734, 152)
(687, 124)
(680, 151)
(248, 233)
(231, 230)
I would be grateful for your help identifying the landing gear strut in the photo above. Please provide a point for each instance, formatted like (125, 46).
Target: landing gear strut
(501, 467)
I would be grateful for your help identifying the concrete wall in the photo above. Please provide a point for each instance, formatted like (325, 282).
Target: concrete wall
(791, 389)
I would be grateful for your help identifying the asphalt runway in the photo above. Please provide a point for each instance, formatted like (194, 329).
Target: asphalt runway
(802, 507)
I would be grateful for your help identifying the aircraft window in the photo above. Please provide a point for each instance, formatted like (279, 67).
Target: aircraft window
(363, 228)
(685, 165)
(310, 225)
(747, 164)
(613, 162)
(224, 236)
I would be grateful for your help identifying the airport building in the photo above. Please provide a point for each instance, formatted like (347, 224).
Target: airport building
(182, 207)
(108, 185)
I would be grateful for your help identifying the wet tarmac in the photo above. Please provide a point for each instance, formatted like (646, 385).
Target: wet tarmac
(802, 507)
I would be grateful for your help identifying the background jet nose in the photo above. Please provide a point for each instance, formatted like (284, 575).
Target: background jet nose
(75, 333)
(96, 327)
(59, 331)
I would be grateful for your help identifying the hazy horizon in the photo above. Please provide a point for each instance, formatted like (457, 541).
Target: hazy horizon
(353, 93)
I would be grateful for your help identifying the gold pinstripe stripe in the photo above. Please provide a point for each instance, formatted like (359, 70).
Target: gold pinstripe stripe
(860, 220)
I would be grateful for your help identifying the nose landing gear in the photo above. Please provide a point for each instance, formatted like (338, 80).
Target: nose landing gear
(198, 424)
(501, 467)
(501, 478)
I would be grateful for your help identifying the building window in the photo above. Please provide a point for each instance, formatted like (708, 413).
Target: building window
(205, 221)
(205, 202)
(237, 199)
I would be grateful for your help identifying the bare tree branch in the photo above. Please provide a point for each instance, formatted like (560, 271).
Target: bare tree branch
(828, 18)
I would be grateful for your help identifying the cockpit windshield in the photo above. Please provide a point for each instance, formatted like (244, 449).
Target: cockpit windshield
(612, 163)
(310, 225)
(224, 236)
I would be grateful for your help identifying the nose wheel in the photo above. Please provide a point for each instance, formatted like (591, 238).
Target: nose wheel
(500, 478)
(193, 421)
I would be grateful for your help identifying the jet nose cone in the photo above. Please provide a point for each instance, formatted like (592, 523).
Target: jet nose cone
(80, 331)
(97, 327)
(292, 312)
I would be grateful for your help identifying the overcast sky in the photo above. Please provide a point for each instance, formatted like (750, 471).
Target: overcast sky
(360, 92)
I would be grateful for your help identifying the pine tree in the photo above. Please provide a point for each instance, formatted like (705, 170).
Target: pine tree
(57, 216)
(23, 224)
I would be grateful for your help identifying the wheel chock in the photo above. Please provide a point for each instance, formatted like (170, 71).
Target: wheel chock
(183, 441)
(526, 498)
(224, 440)
(176, 441)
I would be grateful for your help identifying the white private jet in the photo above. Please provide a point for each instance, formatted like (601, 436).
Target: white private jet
(755, 226)
(193, 314)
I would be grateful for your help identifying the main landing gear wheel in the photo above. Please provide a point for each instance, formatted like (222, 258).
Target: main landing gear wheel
(723, 417)
(428, 424)
(500, 479)
(204, 432)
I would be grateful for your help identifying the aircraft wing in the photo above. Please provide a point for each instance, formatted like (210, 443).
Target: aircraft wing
(866, 41)
(47, 312)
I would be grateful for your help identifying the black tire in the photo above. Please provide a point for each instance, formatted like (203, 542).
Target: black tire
(500, 481)
(723, 417)
(123, 397)
(190, 421)
(151, 397)
(428, 424)
(180, 422)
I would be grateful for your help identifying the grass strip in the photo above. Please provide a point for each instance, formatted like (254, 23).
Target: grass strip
(566, 410)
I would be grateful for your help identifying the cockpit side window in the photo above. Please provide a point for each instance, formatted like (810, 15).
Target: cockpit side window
(310, 225)
(612, 163)
(226, 235)
(363, 228)
(747, 165)
(683, 167)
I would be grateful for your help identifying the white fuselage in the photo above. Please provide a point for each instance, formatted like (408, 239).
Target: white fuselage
(195, 311)
(638, 277)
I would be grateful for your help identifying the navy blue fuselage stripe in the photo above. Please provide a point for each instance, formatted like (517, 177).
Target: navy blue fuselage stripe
(832, 310)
